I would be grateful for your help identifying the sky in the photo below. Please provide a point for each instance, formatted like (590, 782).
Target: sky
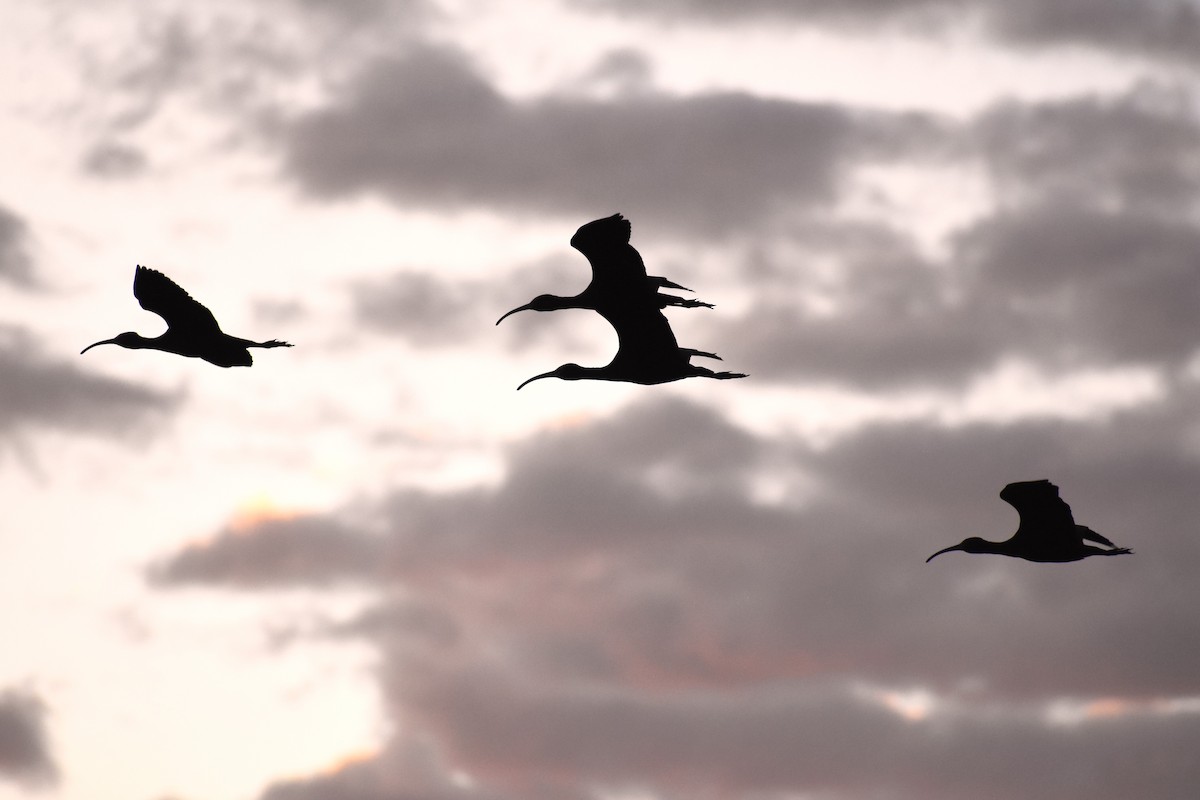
(954, 245)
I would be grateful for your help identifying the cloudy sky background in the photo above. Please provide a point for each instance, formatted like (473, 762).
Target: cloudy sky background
(955, 244)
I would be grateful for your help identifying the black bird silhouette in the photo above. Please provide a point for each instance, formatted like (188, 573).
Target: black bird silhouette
(629, 300)
(618, 273)
(192, 330)
(1047, 531)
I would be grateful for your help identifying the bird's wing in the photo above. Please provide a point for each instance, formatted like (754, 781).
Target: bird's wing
(158, 293)
(1043, 512)
(1087, 533)
(616, 264)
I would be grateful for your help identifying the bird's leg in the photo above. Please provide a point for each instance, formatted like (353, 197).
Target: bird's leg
(665, 300)
(689, 352)
(271, 343)
(661, 283)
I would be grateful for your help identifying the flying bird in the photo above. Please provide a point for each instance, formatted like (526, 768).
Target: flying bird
(192, 330)
(647, 353)
(630, 301)
(1047, 531)
(618, 274)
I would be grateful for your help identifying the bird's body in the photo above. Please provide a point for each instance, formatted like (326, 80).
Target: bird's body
(192, 330)
(1047, 532)
(622, 293)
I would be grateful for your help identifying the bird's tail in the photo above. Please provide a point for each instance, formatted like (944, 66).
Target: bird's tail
(689, 352)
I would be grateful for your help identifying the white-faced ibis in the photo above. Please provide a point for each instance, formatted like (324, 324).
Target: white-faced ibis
(647, 352)
(618, 273)
(1047, 531)
(192, 330)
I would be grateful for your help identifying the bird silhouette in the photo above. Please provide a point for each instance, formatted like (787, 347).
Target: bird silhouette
(1047, 531)
(192, 330)
(618, 273)
(629, 300)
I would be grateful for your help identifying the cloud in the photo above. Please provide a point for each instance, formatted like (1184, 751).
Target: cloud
(621, 611)
(1169, 29)
(1085, 259)
(40, 392)
(426, 129)
(429, 310)
(306, 550)
(1138, 148)
(24, 751)
(114, 160)
(15, 264)
(419, 306)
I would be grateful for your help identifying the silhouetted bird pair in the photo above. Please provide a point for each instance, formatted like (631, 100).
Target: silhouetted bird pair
(630, 300)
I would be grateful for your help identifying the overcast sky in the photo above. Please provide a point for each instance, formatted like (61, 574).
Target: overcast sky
(954, 244)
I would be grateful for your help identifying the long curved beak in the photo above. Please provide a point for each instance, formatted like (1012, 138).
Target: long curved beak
(525, 307)
(97, 344)
(535, 377)
(939, 552)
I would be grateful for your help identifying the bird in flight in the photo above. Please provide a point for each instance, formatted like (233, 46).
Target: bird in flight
(631, 302)
(618, 273)
(1047, 531)
(192, 330)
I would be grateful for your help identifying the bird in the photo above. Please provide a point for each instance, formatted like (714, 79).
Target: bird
(1047, 532)
(192, 330)
(624, 295)
(618, 273)
(647, 352)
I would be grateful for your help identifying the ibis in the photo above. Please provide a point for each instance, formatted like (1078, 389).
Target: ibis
(192, 330)
(1047, 530)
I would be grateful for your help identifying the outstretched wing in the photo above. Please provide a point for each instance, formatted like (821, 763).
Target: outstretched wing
(1043, 513)
(616, 264)
(158, 293)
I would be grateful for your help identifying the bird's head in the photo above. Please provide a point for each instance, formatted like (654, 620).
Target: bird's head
(972, 544)
(128, 339)
(543, 302)
(567, 372)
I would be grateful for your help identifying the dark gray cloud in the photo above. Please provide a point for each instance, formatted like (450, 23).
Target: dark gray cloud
(426, 129)
(1166, 29)
(1088, 259)
(15, 264)
(421, 307)
(309, 550)
(111, 159)
(25, 754)
(619, 611)
(41, 392)
(427, 309)
(1139, 148)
